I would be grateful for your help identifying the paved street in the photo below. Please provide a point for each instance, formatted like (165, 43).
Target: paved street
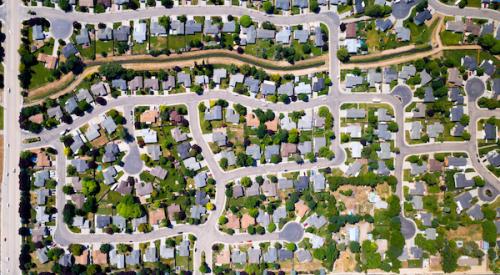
(13, 12)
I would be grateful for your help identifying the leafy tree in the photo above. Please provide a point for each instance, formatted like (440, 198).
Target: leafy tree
(128, 208)
(354, 247)
(69, 211)
(343, 55)
(89, 187)
(64, 5)
(268, 7)
(76, 249)
(449, 256)
(111, 70)
(105, 248)
(167, 3)
(489, 231)
(246, 21)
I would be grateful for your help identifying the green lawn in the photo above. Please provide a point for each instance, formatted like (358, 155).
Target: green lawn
(474, 3)
(40, 75)
(158, 42)
(451, 38)
(176, 42)
(104, 46)
(139, 48)
(456, 56)
(421, 34)
(262, 49)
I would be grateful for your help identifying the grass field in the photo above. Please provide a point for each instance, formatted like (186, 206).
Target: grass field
(451, 38)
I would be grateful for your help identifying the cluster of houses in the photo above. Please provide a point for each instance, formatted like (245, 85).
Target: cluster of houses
(309, 121)
(469, 27)
(464, 183)
(134, 256)
(355, 131)
(44, 173)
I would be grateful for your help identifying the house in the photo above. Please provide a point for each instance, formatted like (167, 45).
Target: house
(172, 210)
(425, 77)
(214, 113)
(385, 151)
(263, 219)
(355, 113)
(249, 35)
(271, 255)
(119, 84)
(301, 208)
(383, 25)
(82, 38)
(455, 26)
(352, 45)
(268, 87)
(463, 201)
(283, 4)
(350, 31)
(316, 221)
(302, 183)
(148, 135)
(156, 216)
(109, 175)
(421, 17)
(254, 255)
(104, 34)
(152, 84)
(475, 212)
(200, 180)
(374, 77)
(192, 27)
(86, 3)
(285, 254)
(285, 184)
(133, 258)
(403, 34)
(159, 172)
(69, 50)
(80, 165)
(407, 71)
(279, 214)
(149, 116)
(356, 148)
(253, 85)
(117, 260)
(192, 164)
(271, 150)
(37, 32)
(469, 63)
(219, 74)
(136, 83)
(49, 60)
(435, 129)
(283, 36)
(157, 29)
(169, 83)
(318, 37)
(210, 28)
(143, 189)
(472, 28)
(229, 27)
(300, 3)
(416, 169)
(238, 257)
(490, 131)
(55, 112)
(455, 162)
(456, 113)
(318, 182)
(119, 222)
(415, 130)
(121, 34)
(102, 221)
(303, 88)
(390, 75)
(359, 6)
(488, 67)
(150, 255)
(301, 35)
(462, 181)
(184, 79)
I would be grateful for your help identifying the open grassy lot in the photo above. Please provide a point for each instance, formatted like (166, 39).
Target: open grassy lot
(451, 38)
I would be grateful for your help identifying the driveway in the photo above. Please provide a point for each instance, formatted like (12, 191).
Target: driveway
(133, 163)
(292, 232)
(403, 93)
(474, 88)
(61, 29)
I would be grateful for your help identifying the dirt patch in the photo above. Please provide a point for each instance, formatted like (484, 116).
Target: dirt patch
(101, 140)
(346, 262)
(383, 190)
(472, 232)
(357, 203)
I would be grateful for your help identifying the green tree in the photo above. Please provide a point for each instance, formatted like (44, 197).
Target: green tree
(268, 7)
(129, 208)
(449, 256)
(111, 70)
(246, 21)
(64, 5)
(76, 249)
(489, 231)
(343, 55)
(89, 187)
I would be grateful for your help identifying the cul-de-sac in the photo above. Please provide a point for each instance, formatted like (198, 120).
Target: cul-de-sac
(250, 137)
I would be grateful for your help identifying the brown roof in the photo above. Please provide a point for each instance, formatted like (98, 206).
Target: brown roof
(149, 116)
(38, 118)
(49, 60)
(252, 120)
(288, 148)
(224, 257)
(78, 199)
(42, 159)
(435, 165)
(82, 259)
(301, 208)
(246, 221)
(99, 258)
(272, 125)
(86, 3)
(175, 117)
(472, 28)
(156, 216)
(350, 31)
(105, 3)
(233, 221)
(454, 77)
(171, 210)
